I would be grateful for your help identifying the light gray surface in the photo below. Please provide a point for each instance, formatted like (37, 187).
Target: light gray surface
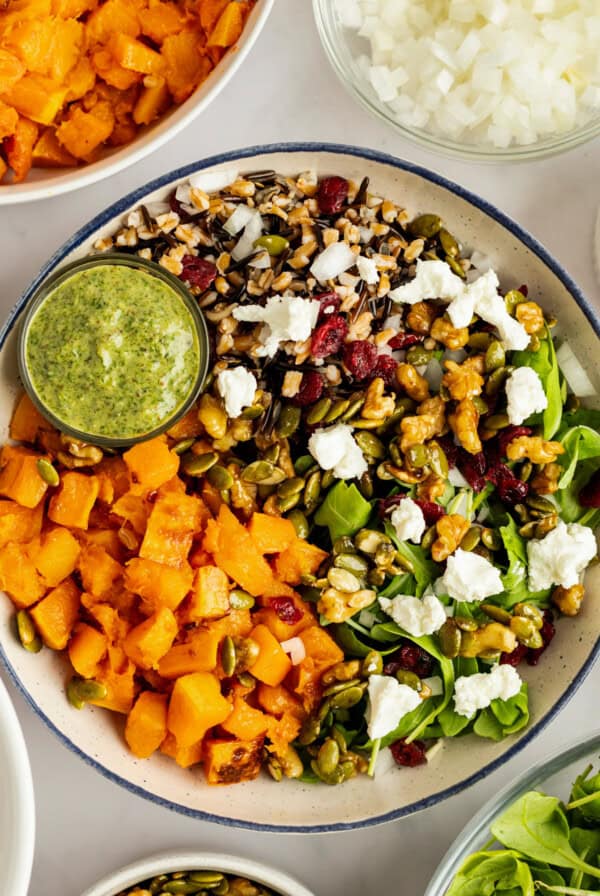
(286, 91)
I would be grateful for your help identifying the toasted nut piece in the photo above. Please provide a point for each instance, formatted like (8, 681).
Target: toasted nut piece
(377, 406)
(491, 637)
(462, 380)
(568, 600)
(451, 530)
(531, 316)
(420, 317)
(337, 606)
(452, 337)
(535, 448)
(463, 423)
(415, 385)
(546, 481)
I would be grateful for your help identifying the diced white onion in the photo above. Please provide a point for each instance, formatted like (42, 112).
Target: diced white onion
(433, 374)
(456, 478)
(260, 261)
(296, 650)
(578, 380)
(212, 181)
(332, 262)
(252, 231)
(238, 220)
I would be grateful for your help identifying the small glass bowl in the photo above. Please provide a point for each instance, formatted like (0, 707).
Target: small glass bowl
(344, 46)
(554, 775)
(137, 263)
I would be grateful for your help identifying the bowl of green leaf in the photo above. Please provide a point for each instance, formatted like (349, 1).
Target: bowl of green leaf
(540, 835)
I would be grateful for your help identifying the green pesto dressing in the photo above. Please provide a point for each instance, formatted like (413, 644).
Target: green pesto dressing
(113, 351)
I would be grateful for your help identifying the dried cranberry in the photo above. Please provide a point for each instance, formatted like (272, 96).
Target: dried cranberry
(524, 289)
(516, 657)
(385, 367)
(506, 436)
(360, 357)
(328, 337)
(384, 505)
(408, 755)
(198, 272)
(473, 468)
(331, 195)
(286, 610)
(547, 632)
(589, 496)
(329, 303)
(450, 449)
(405, 340)
(432, 511)
(311, 388)
(410, 658)
(511, 489)
(176, 206)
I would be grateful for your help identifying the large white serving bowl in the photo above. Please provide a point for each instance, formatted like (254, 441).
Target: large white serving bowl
(168, 862)
(289, 806)
(44, 183)
(17, 811)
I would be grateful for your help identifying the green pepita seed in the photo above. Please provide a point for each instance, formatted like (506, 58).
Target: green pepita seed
(480, 342)
(395, 454)
(497, 421)
(409, 678)
(450, 639)
(418, 356)
(206, 877)
(365, 485)
(220, 477)
(353, 408)
(286, 504)
(418, 456)
(480, 405)
(448, 243)
(513, 298)
(372, 664)
(525, 471)
(246, 680)
(425, 226)
(180, 887)
(47, 472)
(343, 580)
(240, 600)
(228, 655)
(312, 491)
(348, 698)
(368, 540)
(263, 472)
(370, 445)
(491, 539)
(537, 502)
(429, 537)
(318, 411)
(288, 421)
(310, 731)
(526, 632)
(535, 343)
(290, 487)
(376, 577)
(252, 412)
(337, 409)
(455, 266)
(328, 756)
(498, 614)
(529, 611)
(300, 523)
(327, 479)
(471, 539)
(82, 690)
(437, 459)
(404, 562)
(246, 653)
(496, 380)
(182, 446)
(338, 736)
(545, 525)
(528, 530)
(338, 686)
(495, 356)
(465, 624)
(272, 453)
(343, 545)
(273, 243)
(356, 565)
(28, 635)
(304, 465)
(198, 464)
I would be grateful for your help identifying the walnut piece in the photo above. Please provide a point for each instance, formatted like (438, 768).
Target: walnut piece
(463, 423)
(451, 530)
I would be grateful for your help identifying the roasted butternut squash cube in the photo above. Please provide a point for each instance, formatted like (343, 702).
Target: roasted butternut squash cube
(32, 40)
(9, 119)
(196, 705)
(19, 577)
(279, 700)
(57, 556)
(273, 664)
(120, 686)
(19, 477)
(112, 17)
(19, 148)
(185, 757)
(83, 132)
(110, 71)
(245, 722)
(197, 654)
(173, 522)
(237, 555)
(210, 594)
(56, 614)
(99, 571)
(230, 25)
(87, 649)
(108, 618)
(237, 623)
(157, 584)
(162, 19)
(186, 67)
(148, 642)
(271, 534)
(26, 420)
(19, 524)
(210, 13)
(11, 70)
(133, 509)
(299, 559)
(36, 97)
(146, 725)
(151, 464)
(231, 761)
(104, 538)
(67, 47)
(80, 80)
(134, 55)
(283, 630)
(72, 503)
(153, 101)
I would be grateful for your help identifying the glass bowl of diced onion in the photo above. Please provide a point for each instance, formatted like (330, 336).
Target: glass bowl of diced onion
(489, 80)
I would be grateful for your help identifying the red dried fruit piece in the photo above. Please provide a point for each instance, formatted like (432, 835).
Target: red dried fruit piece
(331, 195)
(286, 609)
(473, 468)
(329, 302)
(505, 437)
(198, 272)
(360, 358)
(511, 489)
(385, 367)
(410, 658)
(328, 337)
(589, 496)
(385, 505)
(311, 388)
(516, 657)
(404, 340)
(547, 632)
(432, 511)
(176, 206)
(524, 289)
(408, 755)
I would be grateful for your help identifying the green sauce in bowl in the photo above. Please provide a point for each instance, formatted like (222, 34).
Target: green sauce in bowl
(113, 349)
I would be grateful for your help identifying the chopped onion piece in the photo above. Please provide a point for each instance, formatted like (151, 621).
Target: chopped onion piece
(456, 478)
(213, 181)
(252, 231)
(578, 380)
(296, 650)
(332, 262)
(238, 220)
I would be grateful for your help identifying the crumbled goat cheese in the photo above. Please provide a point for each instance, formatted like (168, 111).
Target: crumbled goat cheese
(335, 449)
(285, 318)
(561, 556)
(469, 577)
(416, 616)
(237, 387)
(475, 692)
(525, 395)
(408, 521)
(492, 309)
(433, 280)
(389, 701)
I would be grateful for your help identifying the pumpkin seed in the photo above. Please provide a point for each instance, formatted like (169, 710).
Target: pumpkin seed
(47, 472)
(327, 479)
(263, 472)
(312, 491)
(291, 486)
(343, 545)
(537, 502)
(368, 540)
(246, 653)
(157, 882)
(534, 343)
(288, 421)
(348, 698)
(480, 405)
(180, 887)
(365, 485)
(455, 267)
(27, 633)
(496, 379)
(513, 298)
(252, 412)
(404, 562)
(465, 624)
(328, 757)
(370, 445)
(82, 690)
(526, 632)
(273, 243)
(342, 678)
(220, 477)
(545, 525)
(450, 639)
(311, 728)
(480, 342)
(221, 889)
(300, 523)
(395, 453)
(336, 777)
(272, 453)
(429, 537)
(376, 577)
(240, 600)
(426, 226)
(471, 539)
(385, 555)
(338, 736)
(318, 411)
(304, 465)
(495, 356)
(182, 446)
(198, 464)
(372, 664)
(228, 656)
(525, 471)
(343, 580)
(448, 243)
(353, 408)
(354, 564)
(498, 614)
(491, 539)
(246, 680)
(437, 459)
(286, 504)
(418, 356)
(497, 421)
(206, 877)
(529, 611)
(337, 409)
(409, 678)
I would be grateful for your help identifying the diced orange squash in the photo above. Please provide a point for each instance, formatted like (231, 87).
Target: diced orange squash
(80, 80)
(19, 524)
(73, 9)
(19, 577)
(9, 119)
(33, 42)
(300, 559)
(278, 700)
(19, 148)
(231, 761)
(237, 555)
(271, 534)
(229, 26)
(238, 623)
(173, 521)
(146, 725)
(152, 102)
(134, 55)
(108, 618)
(187, 427)
(210, 542)
(87, 649)
(57, 556)
(104, 538)
(120, 686)
(210, 594)
(134, 509)
(185, 757)
(276, 589)
(3, 169)
(211, 497)
(151, 464)
(37, 97)
(56, 614)
(198, 654)
(185, 66)
(110, 71)
(283, 630)
(283, 731)
(11, 70)
(148, 642)
(210, 13)
(273, 664)
(199, 557)
(24, 9)
(157, 584)
(26, 420)
(83, 132)
(112, 17)
(67, 47)
(19, 477)
(196, 705)
(99, 571)
(72, 502)
(115, 470)
(321, 647)
(245, 722)
(162, 19)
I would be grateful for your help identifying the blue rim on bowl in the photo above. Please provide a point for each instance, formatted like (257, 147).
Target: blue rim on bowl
(519, 233)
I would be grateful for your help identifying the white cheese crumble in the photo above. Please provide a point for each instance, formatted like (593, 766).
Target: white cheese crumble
(469, 577)
(408, 521)
(416, 616)
(475, 692)
(561, 556)
(525, 395)
(336, 449)
(433, 280)
(237, 387)
(367, 270)
(285, 318)
(389, 701)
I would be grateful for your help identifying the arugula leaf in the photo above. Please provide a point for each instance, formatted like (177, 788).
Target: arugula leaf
(580, 443)
(567, 499)
(585, 795)
(546, 366)
(488, 873)
(354, 642)
(344, 510)
(503, 717)
(425, 570)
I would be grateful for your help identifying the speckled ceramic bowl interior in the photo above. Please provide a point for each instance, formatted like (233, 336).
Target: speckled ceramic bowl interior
(96, 735)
